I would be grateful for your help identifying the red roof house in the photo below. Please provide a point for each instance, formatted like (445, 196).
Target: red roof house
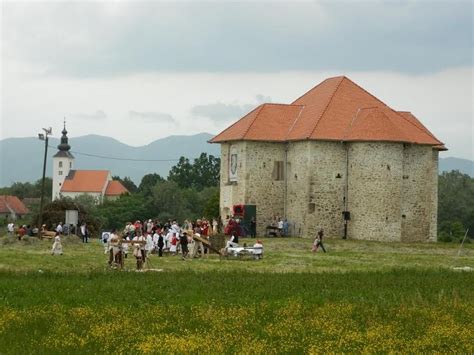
(97, 183)
(12, 206)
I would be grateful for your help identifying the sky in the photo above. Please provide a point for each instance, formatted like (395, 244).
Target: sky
(139, 71)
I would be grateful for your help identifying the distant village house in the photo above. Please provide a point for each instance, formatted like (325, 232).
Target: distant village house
(12, 208)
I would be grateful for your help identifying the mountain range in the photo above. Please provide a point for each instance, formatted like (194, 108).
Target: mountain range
(21, 159)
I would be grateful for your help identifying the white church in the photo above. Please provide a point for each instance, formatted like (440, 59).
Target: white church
(69, 182)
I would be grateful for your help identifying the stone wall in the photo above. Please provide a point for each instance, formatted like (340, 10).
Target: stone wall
(261, 186)
(374, 197)
(434, 196)
(417, 192)
(316, 183)
(232, 193)
(391, 193)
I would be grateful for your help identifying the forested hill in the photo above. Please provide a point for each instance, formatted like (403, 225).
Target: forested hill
(21, 159)
(463, 165)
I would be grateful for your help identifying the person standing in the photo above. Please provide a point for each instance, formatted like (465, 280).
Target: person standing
(215, 224)
(139, 250)
(59, 228)
(253, 227)
(84, 233)
(183, 242)
(280, 227)
(160, 244)
(11, 228)
(57, 248)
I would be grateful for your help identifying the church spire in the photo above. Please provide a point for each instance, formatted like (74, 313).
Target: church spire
(64, 146)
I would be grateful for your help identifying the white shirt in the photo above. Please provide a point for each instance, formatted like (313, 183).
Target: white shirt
(280, 224)
(59, 228)
(11, 227)
(149, 243)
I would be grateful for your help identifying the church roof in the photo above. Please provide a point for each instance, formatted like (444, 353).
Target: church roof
(336, 109)
(85, 181)
(115, 188)
(9, 204)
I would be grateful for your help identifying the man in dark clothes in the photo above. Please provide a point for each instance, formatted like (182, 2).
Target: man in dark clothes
(253, 228)
(183, 241)
(161, 244)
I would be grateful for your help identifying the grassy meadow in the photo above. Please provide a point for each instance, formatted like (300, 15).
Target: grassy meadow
(359, 297)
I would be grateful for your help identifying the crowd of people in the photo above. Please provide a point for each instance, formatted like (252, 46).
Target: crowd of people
(191, 239)
(152, 237)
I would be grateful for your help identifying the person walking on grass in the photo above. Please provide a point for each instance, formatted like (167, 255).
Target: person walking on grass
(318, 241)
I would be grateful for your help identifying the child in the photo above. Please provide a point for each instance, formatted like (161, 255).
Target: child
(57, 248)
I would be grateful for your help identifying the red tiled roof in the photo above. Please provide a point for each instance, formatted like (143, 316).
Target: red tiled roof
(115, 188)
(410, 117)
(336, 109)
(85, 181)
(12, 203)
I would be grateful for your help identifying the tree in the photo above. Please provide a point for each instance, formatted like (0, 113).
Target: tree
(455, 207)
(27, 189)
(206, 171)
(148, 182)
(203, 172)
(127, 208)
(170, 202)
(181, 173)
(211, 208)
(54, 212)
(127, 182)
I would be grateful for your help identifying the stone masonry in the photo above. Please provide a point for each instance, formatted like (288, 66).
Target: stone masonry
(390, 188)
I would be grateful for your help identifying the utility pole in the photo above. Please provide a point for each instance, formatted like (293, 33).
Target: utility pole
(43, 137)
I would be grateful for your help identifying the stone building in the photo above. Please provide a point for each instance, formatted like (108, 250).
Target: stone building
(70, 182)
(336, 158)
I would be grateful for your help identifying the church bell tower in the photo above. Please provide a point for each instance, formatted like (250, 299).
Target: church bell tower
(63, 162)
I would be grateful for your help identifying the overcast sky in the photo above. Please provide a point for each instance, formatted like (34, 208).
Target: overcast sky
(139, 71)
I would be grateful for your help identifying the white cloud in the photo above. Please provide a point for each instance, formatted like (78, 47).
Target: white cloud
(154, 117)
(97, 115)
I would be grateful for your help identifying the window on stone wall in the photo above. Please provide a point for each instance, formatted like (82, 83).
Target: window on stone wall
(60, 164)
(278, 170)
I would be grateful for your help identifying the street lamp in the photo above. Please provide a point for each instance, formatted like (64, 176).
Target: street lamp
(43, 137)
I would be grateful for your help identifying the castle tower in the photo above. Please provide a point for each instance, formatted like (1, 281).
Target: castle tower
(63, 162)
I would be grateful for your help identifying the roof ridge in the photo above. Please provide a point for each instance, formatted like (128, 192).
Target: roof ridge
(280, 104)
(327, 105)
(393, 127)
(314, 87)
(419, 128)
(348, 129)
(233, 124)
(296, 120)
(360, 87)
(253, 121)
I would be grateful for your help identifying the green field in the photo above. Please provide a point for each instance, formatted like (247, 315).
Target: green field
(359, 297)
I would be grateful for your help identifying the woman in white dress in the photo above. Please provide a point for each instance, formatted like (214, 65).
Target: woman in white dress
(57, 248)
